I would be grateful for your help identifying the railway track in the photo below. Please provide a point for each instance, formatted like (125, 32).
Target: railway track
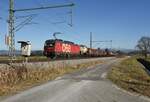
(8, 61)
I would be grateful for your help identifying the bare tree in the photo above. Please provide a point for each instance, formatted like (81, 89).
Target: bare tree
(144, 45)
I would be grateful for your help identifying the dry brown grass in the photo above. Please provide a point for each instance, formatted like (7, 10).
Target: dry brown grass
(148, 58)
(16, 79)
(130, 75)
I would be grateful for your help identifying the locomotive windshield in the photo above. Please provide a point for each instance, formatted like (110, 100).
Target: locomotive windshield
(50, 43)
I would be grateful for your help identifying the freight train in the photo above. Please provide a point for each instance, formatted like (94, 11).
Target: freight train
(55, 48)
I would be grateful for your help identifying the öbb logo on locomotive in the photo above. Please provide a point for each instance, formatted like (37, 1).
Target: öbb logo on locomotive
(66, 48)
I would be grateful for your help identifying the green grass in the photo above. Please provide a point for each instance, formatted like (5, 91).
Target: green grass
(17, 79)
(130, 75)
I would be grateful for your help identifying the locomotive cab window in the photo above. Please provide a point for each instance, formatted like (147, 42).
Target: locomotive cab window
(50, 43)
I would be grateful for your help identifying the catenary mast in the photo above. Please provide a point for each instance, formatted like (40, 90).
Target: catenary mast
(11, 29)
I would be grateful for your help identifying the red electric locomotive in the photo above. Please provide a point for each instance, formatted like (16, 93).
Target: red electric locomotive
(58, 48)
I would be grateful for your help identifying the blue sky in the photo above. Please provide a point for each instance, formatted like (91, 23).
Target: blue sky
(122, 21)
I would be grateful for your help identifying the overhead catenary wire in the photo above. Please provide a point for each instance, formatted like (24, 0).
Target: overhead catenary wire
(105, 41)
(25, 22)
(60, 22)
(21, 17)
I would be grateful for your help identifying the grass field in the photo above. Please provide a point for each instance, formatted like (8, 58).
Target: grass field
(17, 79)
(130, 75)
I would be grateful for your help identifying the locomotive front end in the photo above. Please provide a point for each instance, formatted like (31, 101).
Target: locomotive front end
(49, 48)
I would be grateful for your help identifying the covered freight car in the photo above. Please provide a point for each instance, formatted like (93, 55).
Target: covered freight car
(58, 48)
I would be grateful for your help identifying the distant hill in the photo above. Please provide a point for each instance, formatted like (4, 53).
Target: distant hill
(6, 52)
(124, 50)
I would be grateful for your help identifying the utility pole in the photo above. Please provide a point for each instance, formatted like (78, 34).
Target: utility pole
(11, 29)
(11, 21)
(91, 40)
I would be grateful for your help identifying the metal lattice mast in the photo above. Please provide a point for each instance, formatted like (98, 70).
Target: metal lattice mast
(11, 29)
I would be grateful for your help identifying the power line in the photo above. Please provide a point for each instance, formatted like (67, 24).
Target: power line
(22, 24)
(20, 17)
(59, 22)
(25, 22)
